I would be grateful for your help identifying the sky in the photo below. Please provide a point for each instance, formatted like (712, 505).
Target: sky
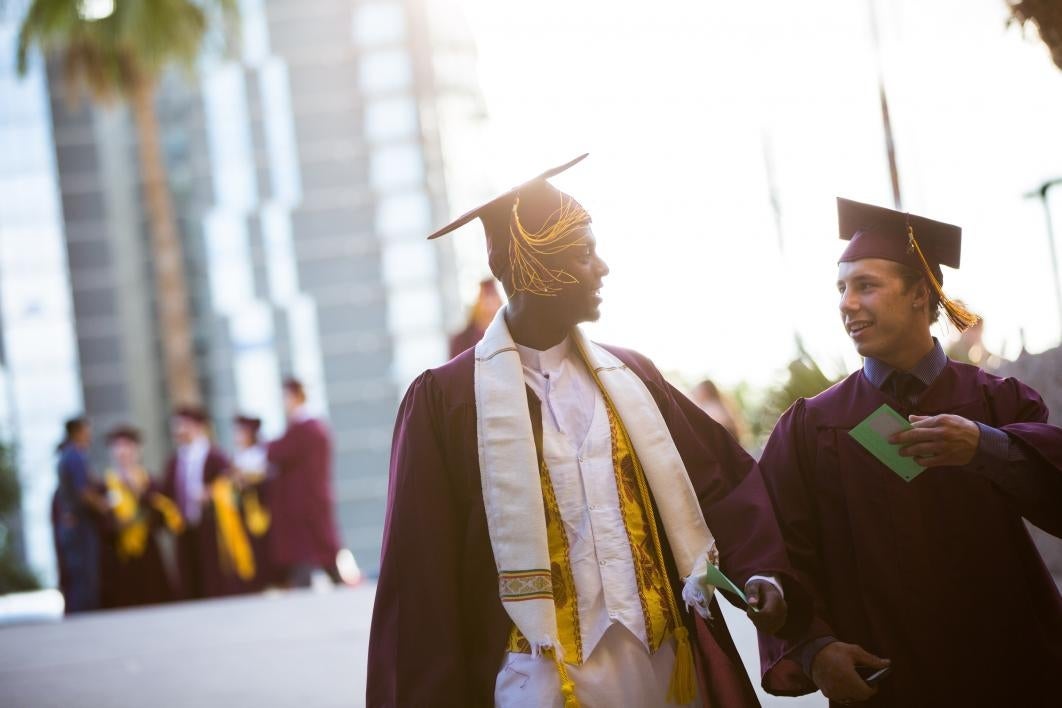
(693, 111)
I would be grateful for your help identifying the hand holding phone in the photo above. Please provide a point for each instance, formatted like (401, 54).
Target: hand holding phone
(871, 676)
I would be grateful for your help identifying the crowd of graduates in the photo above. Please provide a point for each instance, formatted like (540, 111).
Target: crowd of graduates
(211, 524)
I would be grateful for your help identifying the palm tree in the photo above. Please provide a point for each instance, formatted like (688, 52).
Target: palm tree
(1046, 15)
(116, 50)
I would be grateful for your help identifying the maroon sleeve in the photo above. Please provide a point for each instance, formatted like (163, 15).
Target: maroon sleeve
(1033, 484)
(216, 465)
(284, 449)
(735, 503)
(786, 463)
(416, 647)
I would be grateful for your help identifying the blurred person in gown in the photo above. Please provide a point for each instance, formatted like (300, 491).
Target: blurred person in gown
(132, 570)
(719, 407)
(304, 536)
(487, 303)
(76, 508)
(214, 557)
(252, 475)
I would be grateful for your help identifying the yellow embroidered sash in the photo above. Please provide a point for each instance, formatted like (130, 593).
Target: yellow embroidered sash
(134, 528)
(654, 590)
(125, 507)
(659, 607)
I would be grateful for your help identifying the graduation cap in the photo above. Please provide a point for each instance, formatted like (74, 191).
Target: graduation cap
(248, 422)
(525, 224)
(123, 432)
(914, 241)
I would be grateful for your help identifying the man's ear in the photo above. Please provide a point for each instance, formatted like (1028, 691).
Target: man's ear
(921, 294)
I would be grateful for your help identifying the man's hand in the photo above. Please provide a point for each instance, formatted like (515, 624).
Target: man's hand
(767, 608)
(834, 672)
(939, 440)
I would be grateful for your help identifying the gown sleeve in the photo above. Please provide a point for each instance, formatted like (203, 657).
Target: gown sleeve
(786, 463)
(1031, 475)
(416, 646)
(734, 501)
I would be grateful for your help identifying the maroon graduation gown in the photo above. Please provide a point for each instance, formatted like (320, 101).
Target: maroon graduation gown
(199, 568)
(439, 629)
(128, 582)
(937, 574)
(303, 530)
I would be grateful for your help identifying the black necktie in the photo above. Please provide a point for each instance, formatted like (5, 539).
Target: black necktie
(904, 387)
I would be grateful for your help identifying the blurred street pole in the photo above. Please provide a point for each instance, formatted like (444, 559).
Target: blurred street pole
(890, 145)
(772, 189)
(1041, 194)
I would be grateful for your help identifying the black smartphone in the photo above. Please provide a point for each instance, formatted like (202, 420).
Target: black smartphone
(871, 676)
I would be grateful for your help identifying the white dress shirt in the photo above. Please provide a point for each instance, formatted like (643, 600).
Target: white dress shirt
(191, 458)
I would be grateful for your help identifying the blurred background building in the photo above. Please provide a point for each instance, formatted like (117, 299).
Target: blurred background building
(306, 170)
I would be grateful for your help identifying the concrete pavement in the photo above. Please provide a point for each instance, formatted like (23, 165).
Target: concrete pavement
(296, 650)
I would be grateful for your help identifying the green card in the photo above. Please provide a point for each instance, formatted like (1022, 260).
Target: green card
(873, 434)
(715, 577)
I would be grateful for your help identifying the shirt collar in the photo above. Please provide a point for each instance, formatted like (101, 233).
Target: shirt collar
(197, 446)
(926, 370)
(548, 360)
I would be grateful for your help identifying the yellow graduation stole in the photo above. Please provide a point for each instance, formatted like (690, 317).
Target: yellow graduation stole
(233, 546)
(133, 527)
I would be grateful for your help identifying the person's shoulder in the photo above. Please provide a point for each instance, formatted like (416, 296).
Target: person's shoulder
(216, 455)
(839, 391)
(444, 387)
(451, 379)
(994, 385)
(634, 360)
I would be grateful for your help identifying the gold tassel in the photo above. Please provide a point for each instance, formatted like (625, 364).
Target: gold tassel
(567, 685)
(529, 273)
(683, 687)
(962, 318)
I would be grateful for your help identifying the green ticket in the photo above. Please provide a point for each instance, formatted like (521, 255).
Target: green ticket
(715, 577)
(874, 433)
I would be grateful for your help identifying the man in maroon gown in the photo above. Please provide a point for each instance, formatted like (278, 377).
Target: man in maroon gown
(303, 536)
(441, 634)
(935, 577)
(190, 473)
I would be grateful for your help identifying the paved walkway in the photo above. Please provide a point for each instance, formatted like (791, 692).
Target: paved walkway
(299, 650)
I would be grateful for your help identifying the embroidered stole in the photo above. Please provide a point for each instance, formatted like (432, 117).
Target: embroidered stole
(654, 590)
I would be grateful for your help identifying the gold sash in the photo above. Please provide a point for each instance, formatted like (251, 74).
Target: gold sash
(233, 546)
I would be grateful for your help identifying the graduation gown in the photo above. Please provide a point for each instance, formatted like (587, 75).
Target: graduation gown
(303, 530)
(140, 580)
(199, 567)
(439, 630)
(937, 574)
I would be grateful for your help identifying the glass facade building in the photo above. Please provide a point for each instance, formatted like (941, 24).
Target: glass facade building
(306, 172)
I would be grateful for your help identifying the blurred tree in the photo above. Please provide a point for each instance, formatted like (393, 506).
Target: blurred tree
(14, 576)
(1046, 15)
(806, 379)
(115, 50)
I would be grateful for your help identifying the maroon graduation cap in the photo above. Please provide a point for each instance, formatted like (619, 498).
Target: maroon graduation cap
(531, 220)
(915, 241)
